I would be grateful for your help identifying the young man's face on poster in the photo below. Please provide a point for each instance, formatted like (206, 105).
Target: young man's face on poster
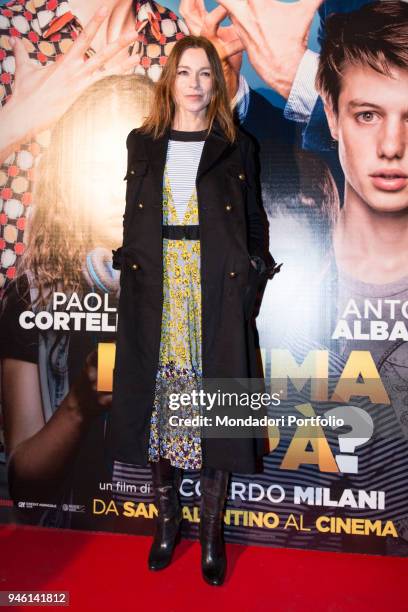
(371, 127)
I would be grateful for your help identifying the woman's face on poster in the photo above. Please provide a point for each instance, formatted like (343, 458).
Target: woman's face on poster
(102, 181)
(91, 159)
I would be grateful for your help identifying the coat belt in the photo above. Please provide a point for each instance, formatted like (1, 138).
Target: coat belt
(171, 232)
(181, 232)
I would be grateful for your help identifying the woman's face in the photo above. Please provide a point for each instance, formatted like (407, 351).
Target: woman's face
(93, 178)
(193, 85)
(93, 166)
(90, 158)
(104, 184)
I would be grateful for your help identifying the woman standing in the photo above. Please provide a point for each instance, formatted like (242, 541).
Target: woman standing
(193, 225)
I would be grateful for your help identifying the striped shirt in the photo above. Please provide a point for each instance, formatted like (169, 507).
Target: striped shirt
(183, 158)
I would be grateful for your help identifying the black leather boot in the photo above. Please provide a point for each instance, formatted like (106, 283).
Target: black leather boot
(213, 484)
(166, 483)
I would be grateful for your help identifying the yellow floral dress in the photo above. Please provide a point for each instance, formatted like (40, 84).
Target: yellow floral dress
(180, 365)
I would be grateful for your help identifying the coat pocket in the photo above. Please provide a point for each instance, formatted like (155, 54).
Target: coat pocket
(138, 167)
(136, 171)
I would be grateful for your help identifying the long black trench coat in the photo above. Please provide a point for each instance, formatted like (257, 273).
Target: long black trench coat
(233, 227)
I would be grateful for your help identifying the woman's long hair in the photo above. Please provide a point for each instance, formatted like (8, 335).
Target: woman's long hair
(163, 109)
(61, 231)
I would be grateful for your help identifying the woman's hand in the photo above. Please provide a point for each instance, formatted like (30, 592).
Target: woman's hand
(83, 398)
(42, 94)
(275, 36)
(43, 452)
(200, 22)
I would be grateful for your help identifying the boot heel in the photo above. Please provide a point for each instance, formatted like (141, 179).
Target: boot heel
(213, 494)
(169, 518)
(161, 551)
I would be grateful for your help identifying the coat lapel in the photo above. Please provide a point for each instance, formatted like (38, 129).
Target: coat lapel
(215, 146)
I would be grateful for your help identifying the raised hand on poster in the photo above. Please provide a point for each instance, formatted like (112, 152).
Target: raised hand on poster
(275, 36)
(201, 22)
(42, 94)
(41, 453)
(83, 396)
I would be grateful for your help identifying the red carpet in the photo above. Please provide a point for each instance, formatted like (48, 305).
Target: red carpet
(108, 572)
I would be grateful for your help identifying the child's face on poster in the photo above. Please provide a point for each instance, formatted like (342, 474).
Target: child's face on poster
(371, 127)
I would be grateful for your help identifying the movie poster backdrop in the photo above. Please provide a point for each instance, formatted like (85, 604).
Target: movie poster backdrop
(333, 345)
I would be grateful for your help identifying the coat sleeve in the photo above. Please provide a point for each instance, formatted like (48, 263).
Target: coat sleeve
(258, 231)
(117, 253)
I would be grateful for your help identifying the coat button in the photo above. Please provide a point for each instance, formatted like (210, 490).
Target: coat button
(132, 172)
(232, 274)
(228, 207)
(140, 205)
(135, 266)
(241, 177)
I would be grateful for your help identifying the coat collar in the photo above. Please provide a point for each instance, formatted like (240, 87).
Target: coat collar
(216, 144)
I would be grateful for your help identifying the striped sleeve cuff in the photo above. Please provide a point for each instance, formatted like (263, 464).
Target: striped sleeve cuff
(303, 95)
(241, 98)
